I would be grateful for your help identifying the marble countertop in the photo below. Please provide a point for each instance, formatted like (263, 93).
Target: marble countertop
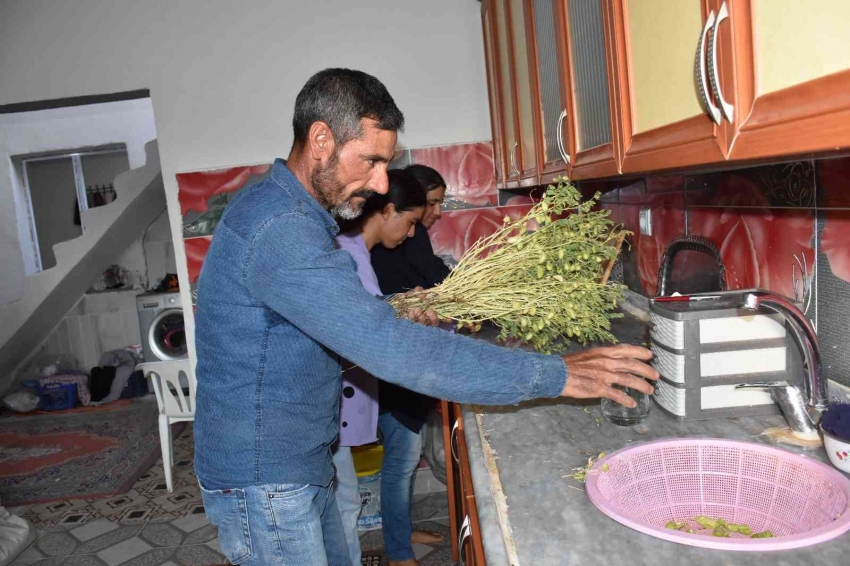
(550, 519)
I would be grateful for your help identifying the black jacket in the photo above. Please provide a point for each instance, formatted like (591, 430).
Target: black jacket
(412, 264)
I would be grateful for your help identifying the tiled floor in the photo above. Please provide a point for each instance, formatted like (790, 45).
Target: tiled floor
(150, 527)
(192, 541)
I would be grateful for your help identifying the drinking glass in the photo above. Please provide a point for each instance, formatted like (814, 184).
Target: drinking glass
(625, 416)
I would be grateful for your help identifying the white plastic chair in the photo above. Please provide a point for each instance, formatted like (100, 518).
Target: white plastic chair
(174, 406)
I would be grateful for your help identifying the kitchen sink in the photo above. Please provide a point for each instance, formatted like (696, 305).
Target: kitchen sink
(661, 488)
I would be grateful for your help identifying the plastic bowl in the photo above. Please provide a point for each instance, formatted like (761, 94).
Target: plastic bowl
(837, 450)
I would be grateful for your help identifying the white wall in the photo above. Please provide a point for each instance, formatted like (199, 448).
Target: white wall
(130, 122)
(223, 75)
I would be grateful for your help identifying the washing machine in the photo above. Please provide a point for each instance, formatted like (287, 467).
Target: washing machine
(161, 326)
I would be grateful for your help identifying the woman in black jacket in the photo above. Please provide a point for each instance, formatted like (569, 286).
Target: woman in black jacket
(403, 412)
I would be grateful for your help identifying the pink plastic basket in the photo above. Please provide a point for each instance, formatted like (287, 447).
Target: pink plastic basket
(800, 500)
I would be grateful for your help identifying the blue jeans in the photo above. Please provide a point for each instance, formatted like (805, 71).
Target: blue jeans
(278, 525)
(347, 493)
(402, 450)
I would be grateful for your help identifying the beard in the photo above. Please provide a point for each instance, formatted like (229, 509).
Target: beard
(329, 191)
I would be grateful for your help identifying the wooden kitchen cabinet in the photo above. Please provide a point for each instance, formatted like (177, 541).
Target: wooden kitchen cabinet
(525, 145)
(594, 88)
(464, 528)
(556, 114)
(785, 67)
(545, 36)
(493, 92)
(592, 116)
(665, 122)
(505, 71)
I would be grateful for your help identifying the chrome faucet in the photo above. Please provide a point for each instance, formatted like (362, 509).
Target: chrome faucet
(802, 409)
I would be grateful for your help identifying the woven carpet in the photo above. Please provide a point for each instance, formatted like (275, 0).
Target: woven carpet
(75, 455)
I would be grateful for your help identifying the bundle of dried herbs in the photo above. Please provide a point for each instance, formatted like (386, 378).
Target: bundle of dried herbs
(539, 278)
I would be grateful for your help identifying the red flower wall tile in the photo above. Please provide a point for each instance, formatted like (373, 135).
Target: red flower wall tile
(607, 189)
(781, 185)
(665, 184)
(757, 245)
(520, 200)
(466, 168)
(833, 182)
(634, 196)
(457, 230)
(835, 242)
(667, 223)
(196, 251)
(615, 211)
(195, 189)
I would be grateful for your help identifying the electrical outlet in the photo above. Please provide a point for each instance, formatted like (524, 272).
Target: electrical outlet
(646, 221)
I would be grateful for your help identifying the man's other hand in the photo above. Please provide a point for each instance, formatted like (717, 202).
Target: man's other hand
(593, 373)
(426, 317)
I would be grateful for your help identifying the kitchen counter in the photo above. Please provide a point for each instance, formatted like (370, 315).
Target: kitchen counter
(530, 448)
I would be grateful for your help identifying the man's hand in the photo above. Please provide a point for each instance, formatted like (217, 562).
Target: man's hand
(427, 317)
(592, 373)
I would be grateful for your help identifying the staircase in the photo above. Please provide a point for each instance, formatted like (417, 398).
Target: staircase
(109, 230)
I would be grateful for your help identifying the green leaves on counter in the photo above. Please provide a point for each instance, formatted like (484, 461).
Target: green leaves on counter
(718, 527)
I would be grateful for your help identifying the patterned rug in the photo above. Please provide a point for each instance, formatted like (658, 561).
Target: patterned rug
(47, 457)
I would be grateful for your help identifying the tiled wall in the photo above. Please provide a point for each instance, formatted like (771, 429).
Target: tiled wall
(758, 217)
(470, 211)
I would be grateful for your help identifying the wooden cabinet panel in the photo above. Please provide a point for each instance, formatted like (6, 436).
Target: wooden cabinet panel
(452, 475)
(786, 66)
(589, 66)
(663, 123)
(589, 77)
(496, 117)
(474, 548)
(507, 92)
(545, 45)
(526, 150)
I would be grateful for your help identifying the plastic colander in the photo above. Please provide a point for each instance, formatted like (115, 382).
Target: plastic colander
(645, 486)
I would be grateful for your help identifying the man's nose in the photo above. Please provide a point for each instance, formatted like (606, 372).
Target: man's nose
(380, 183)
(412, 231)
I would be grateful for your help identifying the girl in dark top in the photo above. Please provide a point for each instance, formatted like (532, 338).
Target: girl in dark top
(403, 412)
(413, 264)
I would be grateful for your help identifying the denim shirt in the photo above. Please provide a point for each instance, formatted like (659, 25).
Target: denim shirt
(276, 303)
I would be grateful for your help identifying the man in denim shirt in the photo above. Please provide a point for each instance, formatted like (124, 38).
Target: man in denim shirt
(278, 304)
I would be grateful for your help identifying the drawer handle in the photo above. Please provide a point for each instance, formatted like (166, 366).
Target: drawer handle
(699, 70)
(713, 72)
(560, 140)
(452, 441)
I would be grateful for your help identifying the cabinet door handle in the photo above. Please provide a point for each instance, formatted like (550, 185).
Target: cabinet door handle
(713, 72)
(463, 536)
(513, 159)
(560, 140)
(452, 441)
(699, 70)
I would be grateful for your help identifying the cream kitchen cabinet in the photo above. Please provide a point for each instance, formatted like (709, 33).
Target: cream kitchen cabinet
(785, 67)
(668, 119)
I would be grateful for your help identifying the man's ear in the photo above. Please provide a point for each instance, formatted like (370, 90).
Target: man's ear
(320, 141)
